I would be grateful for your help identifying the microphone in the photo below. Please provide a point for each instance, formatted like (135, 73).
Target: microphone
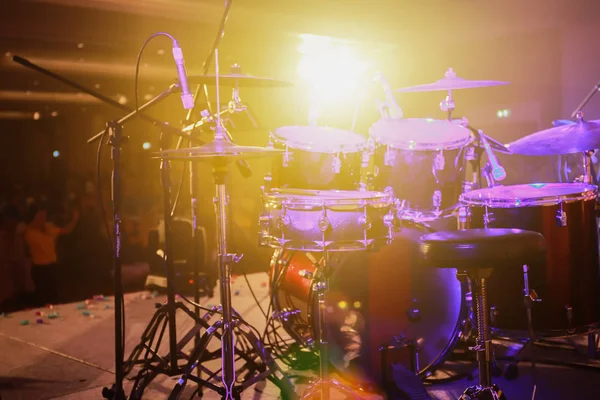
(186, 96)
(498, 172)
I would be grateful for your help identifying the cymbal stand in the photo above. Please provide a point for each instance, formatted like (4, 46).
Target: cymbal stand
(448, 105)
(323, 385)
(230, 323)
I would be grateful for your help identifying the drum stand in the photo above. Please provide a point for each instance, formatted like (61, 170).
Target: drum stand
(324, 383)
(230, 320)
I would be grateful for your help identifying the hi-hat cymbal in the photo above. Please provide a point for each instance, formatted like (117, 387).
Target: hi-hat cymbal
(218, 150)
(239, 80)
(451, 82)
(566, 139)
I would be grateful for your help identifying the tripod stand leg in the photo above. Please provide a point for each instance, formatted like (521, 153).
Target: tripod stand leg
(266, 367)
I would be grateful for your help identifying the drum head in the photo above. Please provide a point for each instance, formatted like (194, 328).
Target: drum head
(307, 197)
(535, 194)
(319, 139)
(420, 134)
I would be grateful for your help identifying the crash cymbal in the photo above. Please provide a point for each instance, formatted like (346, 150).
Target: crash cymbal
(451, 82)
(566, 139)
(239, 80)
(220, 150)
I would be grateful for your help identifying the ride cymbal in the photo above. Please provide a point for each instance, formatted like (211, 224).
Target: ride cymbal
(566, 139)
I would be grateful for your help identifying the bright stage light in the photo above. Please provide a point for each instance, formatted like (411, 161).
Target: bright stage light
(330, 67)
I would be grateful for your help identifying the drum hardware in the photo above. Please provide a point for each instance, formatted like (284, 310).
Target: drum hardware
(494, 171)
(219, 154)
(561, 215)
(390, 108)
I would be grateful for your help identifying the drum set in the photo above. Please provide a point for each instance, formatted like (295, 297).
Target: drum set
(345, 212)
(335, 191)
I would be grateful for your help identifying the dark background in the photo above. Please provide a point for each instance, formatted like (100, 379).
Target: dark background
(547, 49)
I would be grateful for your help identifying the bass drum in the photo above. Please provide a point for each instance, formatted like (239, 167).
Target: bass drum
(375, 299)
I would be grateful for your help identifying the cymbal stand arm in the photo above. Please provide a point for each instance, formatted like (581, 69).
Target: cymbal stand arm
(587, 98)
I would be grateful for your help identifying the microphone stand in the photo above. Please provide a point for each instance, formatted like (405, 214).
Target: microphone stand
(114, 130)
(161, 124)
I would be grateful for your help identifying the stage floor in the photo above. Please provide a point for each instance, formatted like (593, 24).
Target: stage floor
(71, 357)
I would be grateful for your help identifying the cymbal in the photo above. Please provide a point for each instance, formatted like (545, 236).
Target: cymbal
(451, 82)
(218, 150)
(565, 139)
(239, 80)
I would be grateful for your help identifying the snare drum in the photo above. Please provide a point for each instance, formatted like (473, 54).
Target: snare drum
(568, 283)
(423, 162)
(317, 158)
(313, 220)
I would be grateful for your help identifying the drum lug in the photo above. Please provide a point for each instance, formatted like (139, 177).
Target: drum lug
(561, 216)
(389, 159)
(305, 274)
(436, 199)
(283, 222)
(264, 220)
(464, 218)
(337, 164)
(287, 157)
(488, 218)
(319, 287)
(365, 222)
(268, 179)
(439, 162)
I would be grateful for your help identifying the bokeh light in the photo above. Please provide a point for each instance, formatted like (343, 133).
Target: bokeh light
(330, 67)
(56, 154)
(146, 145)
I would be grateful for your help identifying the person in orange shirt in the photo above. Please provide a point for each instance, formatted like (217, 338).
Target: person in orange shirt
(41, 237)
